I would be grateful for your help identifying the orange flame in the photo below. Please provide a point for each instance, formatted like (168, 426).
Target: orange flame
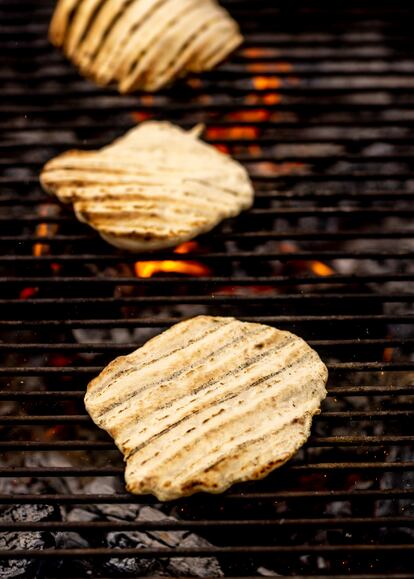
(39, 249)
(260, 67)
(271, 98)
(317, 267)
(234, 132)
(44, 229)
(147, 269)
(266, 82)
(321, 268)
(186, 247)
(250, 115)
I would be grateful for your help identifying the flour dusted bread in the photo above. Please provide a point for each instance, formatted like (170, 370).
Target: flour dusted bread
(209, 402)
(155, 187)
(143, 44)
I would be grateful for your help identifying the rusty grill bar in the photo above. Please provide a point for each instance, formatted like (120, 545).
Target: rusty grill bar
(319, 106)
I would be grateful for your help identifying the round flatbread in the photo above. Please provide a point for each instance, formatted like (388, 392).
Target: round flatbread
(143, 44)
(156, 187)
(210, 402)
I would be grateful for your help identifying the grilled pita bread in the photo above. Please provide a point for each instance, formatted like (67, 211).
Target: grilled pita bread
(155, 187)
(143, 44)
(210, 402)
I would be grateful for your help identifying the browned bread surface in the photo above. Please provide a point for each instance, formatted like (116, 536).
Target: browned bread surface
(155, 187)
(209, 402)
(143, 44)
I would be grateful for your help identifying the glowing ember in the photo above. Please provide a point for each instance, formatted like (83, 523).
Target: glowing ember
(258, 67)
(235, 132)
(44, 229)
(186, 247)
(248, 290)
(270, 168)
(250, 115)
(257, 52)
(55, 432)
(388, 354)
(321, 269)
(140, 116)
(272, 98)
(147, 269)
(28, 292)
(150, 268)
(317, 267)
(266, 82)
(39, 249)
(59, 361)
(147, 100)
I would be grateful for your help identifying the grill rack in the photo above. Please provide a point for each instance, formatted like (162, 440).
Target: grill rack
(336, 205)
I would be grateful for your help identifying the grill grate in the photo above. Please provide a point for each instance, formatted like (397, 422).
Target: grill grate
(319, 106)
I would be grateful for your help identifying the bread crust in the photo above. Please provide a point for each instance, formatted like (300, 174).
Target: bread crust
(154, 188)
(210, 402)
(143, 44)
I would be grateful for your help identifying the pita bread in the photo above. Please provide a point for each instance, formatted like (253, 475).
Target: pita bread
(155, 187)
(210, 402)
(143, 44)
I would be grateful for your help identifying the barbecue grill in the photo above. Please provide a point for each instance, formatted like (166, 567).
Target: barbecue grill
(319, 106)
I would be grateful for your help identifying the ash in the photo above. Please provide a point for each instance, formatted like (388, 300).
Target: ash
(201, 567)
(198, 567)
(12, 541)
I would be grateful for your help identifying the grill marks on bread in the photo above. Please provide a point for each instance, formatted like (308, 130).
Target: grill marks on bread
(143, 44)
(209, 402)
(155, 187)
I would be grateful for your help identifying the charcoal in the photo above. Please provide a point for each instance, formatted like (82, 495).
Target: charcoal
(76, 566)
(133, 565)
(199, 566)
(33, 541)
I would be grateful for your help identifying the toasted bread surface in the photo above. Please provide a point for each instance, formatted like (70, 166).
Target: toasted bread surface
(210, 402)
(155, 187)
(143, 44)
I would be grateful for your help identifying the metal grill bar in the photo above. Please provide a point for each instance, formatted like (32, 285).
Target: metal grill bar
(92, 370)
(252, 235)
(165, 322)
(360, 298)
(340, 391)
(295, 469)
(261, 141)
(399, 576)
(388, 495)
(352, 122)
(111, 258)
(206, 524)
(98, 347)
(214, 280)
(348, 415)
(101, 445)
(245, 551)
(270, 196)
